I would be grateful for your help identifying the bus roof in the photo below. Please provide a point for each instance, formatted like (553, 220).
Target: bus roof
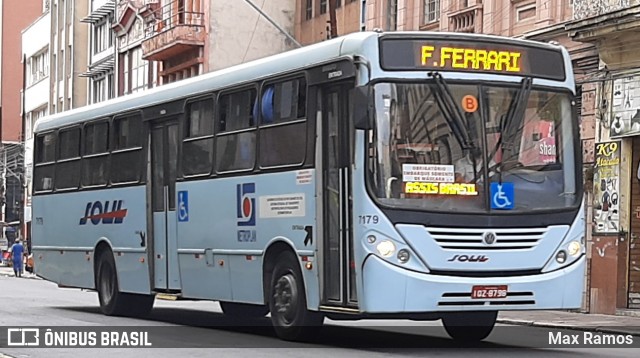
(306, 56)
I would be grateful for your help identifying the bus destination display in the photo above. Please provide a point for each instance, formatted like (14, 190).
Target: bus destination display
(463, 56)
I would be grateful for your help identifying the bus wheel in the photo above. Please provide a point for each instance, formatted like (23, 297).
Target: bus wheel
(112, 301)
(244, 310)
(469, 326)
(288, 301)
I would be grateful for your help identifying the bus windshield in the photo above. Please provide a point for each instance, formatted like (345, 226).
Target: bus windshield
(434, 144)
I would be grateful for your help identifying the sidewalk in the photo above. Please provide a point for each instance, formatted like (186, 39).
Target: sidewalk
(627, 324)
(8, 272)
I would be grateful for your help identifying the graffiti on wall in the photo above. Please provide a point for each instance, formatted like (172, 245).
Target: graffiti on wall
(606, 191)
(625, 109)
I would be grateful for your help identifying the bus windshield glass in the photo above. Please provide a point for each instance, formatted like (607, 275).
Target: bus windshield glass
(434, 144)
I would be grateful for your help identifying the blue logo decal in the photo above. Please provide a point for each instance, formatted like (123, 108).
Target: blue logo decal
(246, 204)
(106, 213)
(502, 196)
(183, 206)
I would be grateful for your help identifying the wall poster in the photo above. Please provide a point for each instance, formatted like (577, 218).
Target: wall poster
(606, 182)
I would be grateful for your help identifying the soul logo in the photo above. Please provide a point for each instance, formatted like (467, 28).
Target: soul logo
(111, 212)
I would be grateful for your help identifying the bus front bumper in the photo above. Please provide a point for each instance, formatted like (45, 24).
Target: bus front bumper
(392, 289)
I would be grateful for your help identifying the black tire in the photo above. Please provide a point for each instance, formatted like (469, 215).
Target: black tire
(112, 301)
(469, 327)
(288, 302)
(244, 310)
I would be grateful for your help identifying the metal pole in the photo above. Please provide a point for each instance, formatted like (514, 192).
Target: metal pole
(273, 23)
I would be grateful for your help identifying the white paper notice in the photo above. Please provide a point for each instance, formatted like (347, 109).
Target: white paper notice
(433, 173)
(282, 206)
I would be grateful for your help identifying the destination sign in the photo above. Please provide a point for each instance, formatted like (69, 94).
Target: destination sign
(440, 188)
(471, 56)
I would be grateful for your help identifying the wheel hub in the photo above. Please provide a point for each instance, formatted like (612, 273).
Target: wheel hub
(285, 298)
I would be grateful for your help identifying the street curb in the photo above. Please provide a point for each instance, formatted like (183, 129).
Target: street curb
(25, 277)
(610, 330)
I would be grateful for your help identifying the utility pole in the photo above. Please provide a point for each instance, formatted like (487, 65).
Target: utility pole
(333, 26)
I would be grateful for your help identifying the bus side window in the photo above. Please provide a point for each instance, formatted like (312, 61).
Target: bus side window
(96, 154)
(45, 156)
(126, 156)
(68, 162)
(283, 132)
(197, 149)
(236, 137)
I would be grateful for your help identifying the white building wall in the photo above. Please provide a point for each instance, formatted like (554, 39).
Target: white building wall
(35, 39)
(238, 33)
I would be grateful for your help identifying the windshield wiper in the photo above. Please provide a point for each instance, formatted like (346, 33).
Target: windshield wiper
(512, 122)
(454, 118)
(451, 112)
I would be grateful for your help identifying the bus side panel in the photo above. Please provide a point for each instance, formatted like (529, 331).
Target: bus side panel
(74, 223)
(233, 236)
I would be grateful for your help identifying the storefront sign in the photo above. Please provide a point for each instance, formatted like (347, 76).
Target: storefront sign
(625, 109)
(606, 191)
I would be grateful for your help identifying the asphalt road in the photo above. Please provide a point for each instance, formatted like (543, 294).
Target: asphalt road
(203, 330)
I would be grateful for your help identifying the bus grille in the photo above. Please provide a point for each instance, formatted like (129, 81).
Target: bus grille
(476, 239)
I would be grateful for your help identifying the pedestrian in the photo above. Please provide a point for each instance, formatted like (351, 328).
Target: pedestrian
(17, 253)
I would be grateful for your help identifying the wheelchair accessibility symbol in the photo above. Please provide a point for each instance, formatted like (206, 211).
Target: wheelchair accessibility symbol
(183, 205)
(502, 197)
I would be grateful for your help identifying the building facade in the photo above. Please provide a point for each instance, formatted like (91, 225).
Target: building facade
(35, 103)
(133, 72)
(13, 19)
(68, 55)
(100, 71)
(185, 38)
(615, 205)
(313, 22)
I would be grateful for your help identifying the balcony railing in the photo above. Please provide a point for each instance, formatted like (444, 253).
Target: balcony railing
(583, 9)
(175, 29)
(466, 20)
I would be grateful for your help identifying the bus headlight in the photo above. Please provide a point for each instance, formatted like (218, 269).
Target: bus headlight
(574, 248)
(561, 257)
(386, 248)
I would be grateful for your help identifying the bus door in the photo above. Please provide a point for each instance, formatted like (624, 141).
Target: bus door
(338, 281)
(164, 153)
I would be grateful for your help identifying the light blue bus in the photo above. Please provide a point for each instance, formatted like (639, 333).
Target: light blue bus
(405, 175)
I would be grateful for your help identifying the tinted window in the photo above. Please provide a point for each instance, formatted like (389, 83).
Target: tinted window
(283, 134)
(236, 150)
(68, 165)
(126, 157)
(197, 148)
(46, 148)
(200, 118)
(96, 154)
(128, 132)
(45, 152)
(96, 138)
(236, 110)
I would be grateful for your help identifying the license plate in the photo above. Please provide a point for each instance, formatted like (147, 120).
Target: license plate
(484, 292)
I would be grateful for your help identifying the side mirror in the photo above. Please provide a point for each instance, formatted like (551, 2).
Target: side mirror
(360, 107)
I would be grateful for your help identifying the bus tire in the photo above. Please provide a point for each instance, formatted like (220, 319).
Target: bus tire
(244, 310)
(112, 301)
(469, 327)
(288, 301)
